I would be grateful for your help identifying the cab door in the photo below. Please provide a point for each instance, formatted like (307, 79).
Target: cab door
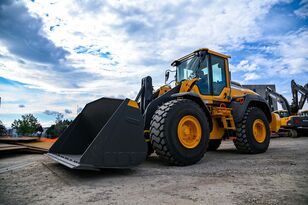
(218, 87)
(218, 69)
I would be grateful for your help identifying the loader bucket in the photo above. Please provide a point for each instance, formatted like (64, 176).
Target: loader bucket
(108, 133)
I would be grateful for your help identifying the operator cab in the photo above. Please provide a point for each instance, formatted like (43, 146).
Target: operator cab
(282, 113)
(209, 67)
(304, 113)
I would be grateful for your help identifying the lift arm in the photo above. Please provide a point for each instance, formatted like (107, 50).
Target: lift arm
(145, 95)
(270, 95)
(296, 104)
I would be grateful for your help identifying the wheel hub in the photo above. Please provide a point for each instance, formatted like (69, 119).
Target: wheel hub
(259, 130)
(189, 131)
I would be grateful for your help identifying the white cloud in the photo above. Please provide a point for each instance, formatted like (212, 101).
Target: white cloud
(293, 49)
(286, 57)
(302, 12)
(245, 66)
(144, 37)
(251, 76)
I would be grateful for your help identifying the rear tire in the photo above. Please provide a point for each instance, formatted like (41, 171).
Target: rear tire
(214, 145)
(246, 142)
(165, 137)
(293, 133)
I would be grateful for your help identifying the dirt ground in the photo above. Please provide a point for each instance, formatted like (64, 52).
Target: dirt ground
(279, 176)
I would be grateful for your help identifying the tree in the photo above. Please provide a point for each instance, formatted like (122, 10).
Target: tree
(27, 125)
(59, 117)
(3, 130)
(58, 128)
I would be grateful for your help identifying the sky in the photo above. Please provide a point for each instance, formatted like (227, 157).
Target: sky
(56, 56)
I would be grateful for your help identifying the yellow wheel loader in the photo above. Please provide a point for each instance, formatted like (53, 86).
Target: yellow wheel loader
(291, 122)
(179, 123)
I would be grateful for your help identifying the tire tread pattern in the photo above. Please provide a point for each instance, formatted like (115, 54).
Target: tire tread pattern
(241, 143)
(157, 130)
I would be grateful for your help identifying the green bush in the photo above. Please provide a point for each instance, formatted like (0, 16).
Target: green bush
(27, 125)
(57, 129)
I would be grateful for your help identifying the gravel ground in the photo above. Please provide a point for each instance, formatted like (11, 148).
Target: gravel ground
(279, 176)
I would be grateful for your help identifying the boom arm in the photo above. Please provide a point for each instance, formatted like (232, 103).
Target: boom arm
(145, 95)
(303, 90)
(270, 95)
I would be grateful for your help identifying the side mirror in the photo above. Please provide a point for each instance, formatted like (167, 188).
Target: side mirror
(167, 76)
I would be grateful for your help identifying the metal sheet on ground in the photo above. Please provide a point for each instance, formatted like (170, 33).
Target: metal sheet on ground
(7, 147)
(41, 147)
(14, 139)
(44, 146)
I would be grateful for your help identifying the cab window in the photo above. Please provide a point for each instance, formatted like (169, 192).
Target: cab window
(203, 75)
(219, 74)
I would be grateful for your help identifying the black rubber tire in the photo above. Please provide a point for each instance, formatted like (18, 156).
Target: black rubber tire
(163, 132)
(214, 145)
(293, 133)
(245, 141)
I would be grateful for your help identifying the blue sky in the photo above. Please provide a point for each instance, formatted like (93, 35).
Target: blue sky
(55, 56)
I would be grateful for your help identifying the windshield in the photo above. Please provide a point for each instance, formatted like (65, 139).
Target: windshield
(195, 66)
(282, 114)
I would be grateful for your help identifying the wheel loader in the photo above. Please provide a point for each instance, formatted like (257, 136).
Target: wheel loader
(292, 123)
(180, 123)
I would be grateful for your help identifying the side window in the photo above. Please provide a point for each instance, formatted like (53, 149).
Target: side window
(219, 74)
(203, 75)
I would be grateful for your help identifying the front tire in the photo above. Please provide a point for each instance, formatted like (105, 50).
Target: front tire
(253, 132)
(179, 132)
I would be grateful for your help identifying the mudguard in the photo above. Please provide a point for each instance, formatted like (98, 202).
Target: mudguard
(239, 107)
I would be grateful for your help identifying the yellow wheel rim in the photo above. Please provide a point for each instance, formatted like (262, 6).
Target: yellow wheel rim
(189, 131)
(259, 130)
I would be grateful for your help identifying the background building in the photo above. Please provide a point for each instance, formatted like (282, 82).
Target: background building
(260, 89)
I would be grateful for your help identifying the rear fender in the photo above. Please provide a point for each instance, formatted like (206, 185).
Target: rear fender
(239, 107)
